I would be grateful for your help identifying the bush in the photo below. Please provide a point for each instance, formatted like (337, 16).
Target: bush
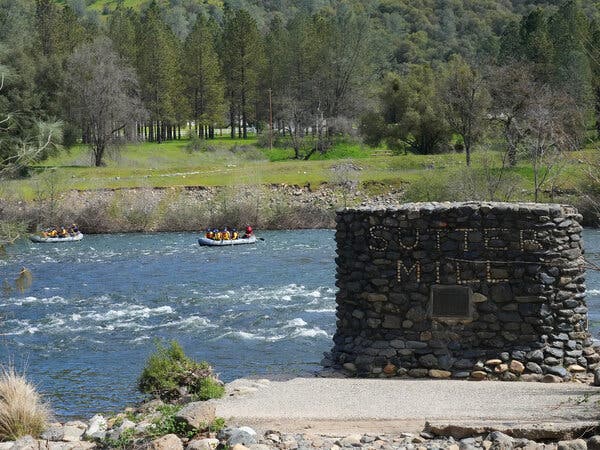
(210, 388)
(169, 374)
(167, 423)
(22, 411)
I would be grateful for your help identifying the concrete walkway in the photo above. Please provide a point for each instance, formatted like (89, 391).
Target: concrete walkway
(331, 405)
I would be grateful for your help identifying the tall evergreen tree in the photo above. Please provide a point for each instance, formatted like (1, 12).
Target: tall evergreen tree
(242, 60)
(157, 65)
(569, 29)
(202, 76)
(535, 43)
(122, 25)
(593, 50)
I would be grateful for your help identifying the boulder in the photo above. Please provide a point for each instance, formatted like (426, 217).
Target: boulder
(197, 414)
(428, 361)
(593, 443)
(389, 369)
(534, 377)
(166, 442)
(493, 362)
(576, 368)
(436, 373)
(97, 427)
(534, 368)
(350, 367)
(353, 440)
(516, 367)
(556, 370)
(501, 368)
(418, 373)
(54, 432)
(500, 440)
(242, 435)
(203, 444)
(549, 378)
(575, 444)
(73, 431)
(478, 375)
(25, 443)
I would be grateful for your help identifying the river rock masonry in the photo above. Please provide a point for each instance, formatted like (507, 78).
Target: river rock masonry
(463, 290)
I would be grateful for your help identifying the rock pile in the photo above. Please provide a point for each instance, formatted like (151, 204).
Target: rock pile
(463, 290)
(245, 438)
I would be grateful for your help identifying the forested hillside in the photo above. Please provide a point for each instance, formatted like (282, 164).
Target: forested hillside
(423, 76)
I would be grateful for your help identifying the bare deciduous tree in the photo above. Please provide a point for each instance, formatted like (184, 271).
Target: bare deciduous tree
(512, 88)
(550, 128)
(102, 96)
(346, 177)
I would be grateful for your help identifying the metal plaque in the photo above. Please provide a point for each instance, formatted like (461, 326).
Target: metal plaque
(451, 302)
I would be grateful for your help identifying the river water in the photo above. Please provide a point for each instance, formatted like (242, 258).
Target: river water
(85, 328)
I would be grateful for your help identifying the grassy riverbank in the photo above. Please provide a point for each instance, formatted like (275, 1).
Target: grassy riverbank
(227, 162)
(227, 180)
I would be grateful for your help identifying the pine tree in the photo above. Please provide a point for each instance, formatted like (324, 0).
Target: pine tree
(569, 29)
(593, 50)
(242, 62)
(157, 65)
(122, 24)
(202, 76)
(535, 43)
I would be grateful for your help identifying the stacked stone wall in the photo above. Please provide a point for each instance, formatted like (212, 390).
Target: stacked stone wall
(518, 269)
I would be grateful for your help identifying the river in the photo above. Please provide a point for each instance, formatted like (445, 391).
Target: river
(91, 318)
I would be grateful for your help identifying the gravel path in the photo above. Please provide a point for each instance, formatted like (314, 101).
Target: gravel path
(381, 405)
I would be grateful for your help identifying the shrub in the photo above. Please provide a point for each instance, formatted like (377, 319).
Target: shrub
(169, 374)
(210, 388)
(167, 423)
(195, 145)
(22, 411)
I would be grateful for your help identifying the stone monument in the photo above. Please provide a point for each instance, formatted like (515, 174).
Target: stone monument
(463, 290)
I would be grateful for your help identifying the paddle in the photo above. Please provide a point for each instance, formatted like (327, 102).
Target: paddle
(260, 239)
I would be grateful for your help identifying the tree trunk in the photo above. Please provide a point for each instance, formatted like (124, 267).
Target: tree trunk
(98, 153)
(598, 111)
(468, 154)
(244, 117)
(151, 131)
(232, 121)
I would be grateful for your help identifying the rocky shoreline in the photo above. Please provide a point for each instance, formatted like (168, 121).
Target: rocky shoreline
(245, 438)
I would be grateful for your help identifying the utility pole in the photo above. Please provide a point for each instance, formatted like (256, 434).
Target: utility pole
(270, 122)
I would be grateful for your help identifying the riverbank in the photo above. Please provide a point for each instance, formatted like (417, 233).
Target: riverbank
(274, 207)
(193, 208)
(325, 413)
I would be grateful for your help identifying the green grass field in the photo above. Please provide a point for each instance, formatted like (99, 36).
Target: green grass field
(234, 162)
